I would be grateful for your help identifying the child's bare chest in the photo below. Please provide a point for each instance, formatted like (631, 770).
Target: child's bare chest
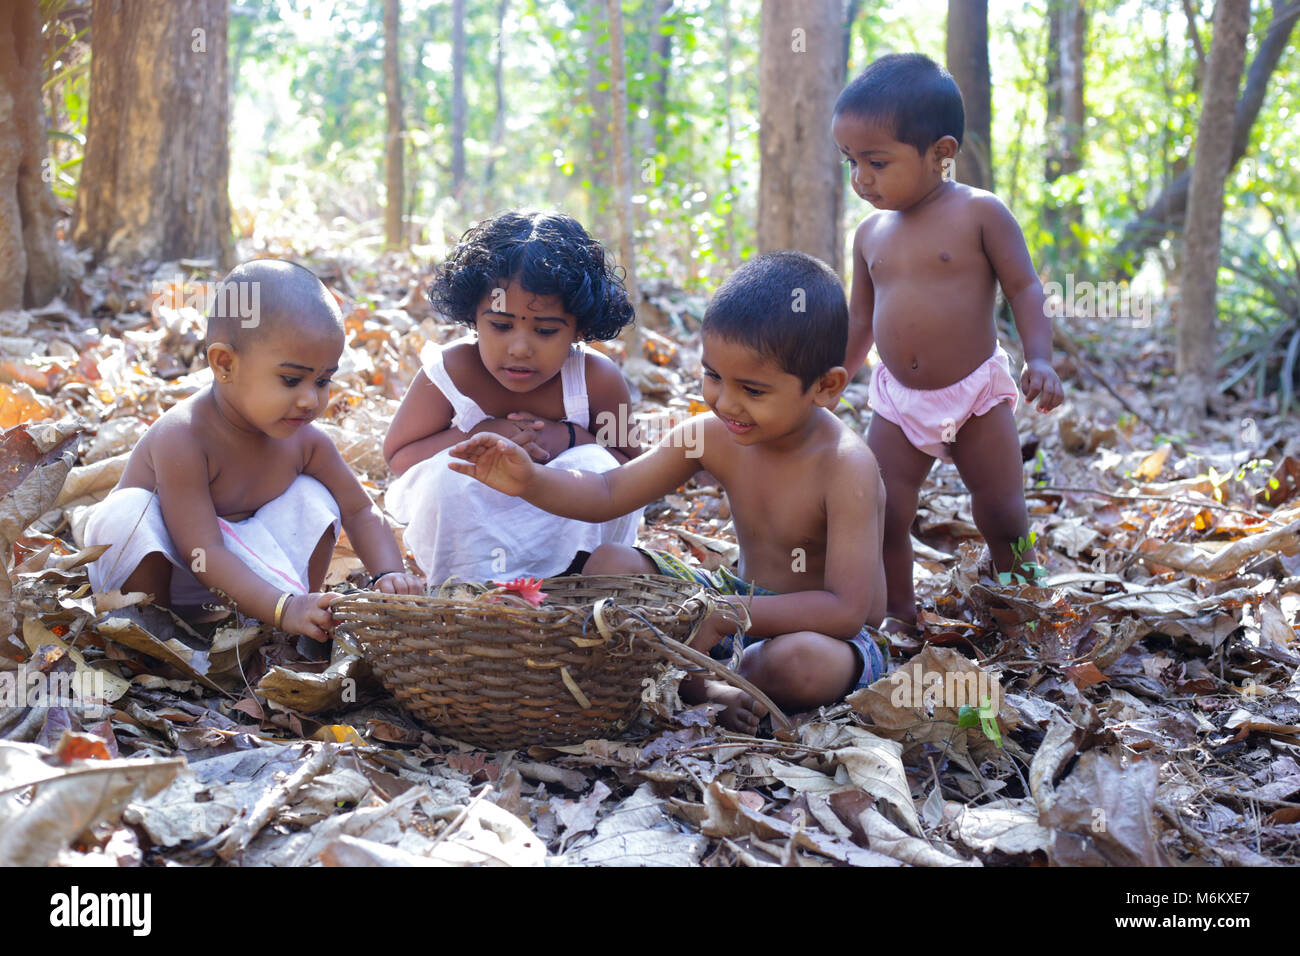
(780, 520)
(901, 252)
(497, 401)
(241, 480)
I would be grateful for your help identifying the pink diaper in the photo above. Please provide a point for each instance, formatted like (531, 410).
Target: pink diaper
(929, 417)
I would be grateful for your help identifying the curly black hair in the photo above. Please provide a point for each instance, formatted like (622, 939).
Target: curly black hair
(549, 254)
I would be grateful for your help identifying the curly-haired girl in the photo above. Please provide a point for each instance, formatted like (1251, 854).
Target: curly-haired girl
(533, 287)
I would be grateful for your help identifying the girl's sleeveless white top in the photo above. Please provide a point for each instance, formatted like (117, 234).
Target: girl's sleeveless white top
(467, 414)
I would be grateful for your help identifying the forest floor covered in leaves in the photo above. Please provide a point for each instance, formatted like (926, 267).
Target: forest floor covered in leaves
(1147, 683)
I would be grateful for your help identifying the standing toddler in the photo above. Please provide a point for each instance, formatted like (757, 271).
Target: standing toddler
(926, 267)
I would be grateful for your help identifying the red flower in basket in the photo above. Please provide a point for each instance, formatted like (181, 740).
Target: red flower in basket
(529, 589)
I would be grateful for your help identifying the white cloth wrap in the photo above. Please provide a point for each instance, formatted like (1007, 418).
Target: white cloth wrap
(276, 542)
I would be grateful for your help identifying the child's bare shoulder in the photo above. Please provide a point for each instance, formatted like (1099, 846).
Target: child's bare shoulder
(598, 363)
(458, 357)
(847, 457)
(603, 376)
(184, 426)
(979, 203)
(837, 458)
(869, 227)
(177, 435)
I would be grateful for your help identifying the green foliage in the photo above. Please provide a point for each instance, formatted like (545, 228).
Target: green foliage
(308, 130)
(65, 88)
(1259, 297)
(985, 717)
(1023, 572)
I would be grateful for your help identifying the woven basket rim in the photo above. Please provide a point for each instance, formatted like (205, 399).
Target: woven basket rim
(549, 610)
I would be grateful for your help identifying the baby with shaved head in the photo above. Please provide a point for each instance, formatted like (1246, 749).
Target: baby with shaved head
(233, 496)
(270, 295)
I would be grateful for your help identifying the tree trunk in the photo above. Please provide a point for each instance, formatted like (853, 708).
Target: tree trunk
(394, 236)
(457, 97)
(499, 121)
(154, 177)
(622, 162)
(30, 275)
(599, 126)
(850, 18)
(731, 134)
(661, 52)
(1166, 212)
(1065, 117)
(1197, 314)
(800, 75)
(968, 62)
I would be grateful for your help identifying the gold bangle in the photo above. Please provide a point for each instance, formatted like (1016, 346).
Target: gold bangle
(279, 608)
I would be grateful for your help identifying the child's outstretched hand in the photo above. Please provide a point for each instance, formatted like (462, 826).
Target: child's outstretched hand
(309, 614)
(495, 461)
(400, 583)
(1040, 381)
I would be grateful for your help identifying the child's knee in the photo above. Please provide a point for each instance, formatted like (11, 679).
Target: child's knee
(803, 669)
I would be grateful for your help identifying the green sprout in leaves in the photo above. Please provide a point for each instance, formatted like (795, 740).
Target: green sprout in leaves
(985, 718)
(1023, 572)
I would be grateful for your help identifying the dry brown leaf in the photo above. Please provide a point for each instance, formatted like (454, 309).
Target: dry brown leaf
(1204, 563)
(33, 496)
(20, 404)
(1153, 464)
(36, 634)
(1273, 626)
(68, 802)
(1243, 720)
(1010, 827)
(189, 661)
(312, 693)
(90, 483)
(1085, 674)
(919, 702)
(1104, 813)
(875, 765)
(888, 839)
(637, 833)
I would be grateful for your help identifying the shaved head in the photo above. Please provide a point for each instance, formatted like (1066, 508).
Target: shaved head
(265, 297)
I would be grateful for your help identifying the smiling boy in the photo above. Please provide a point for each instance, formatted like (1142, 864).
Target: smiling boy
(804, 490)
(234, 490)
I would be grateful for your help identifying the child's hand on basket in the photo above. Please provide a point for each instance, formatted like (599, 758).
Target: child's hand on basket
(309, 614)
(721, 624)
(399, 582)
(495, 461)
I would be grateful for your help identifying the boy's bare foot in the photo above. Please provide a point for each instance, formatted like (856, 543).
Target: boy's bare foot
(903, 636)
(742, 712)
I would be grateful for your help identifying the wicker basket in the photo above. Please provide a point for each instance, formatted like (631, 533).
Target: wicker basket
(504, 675)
